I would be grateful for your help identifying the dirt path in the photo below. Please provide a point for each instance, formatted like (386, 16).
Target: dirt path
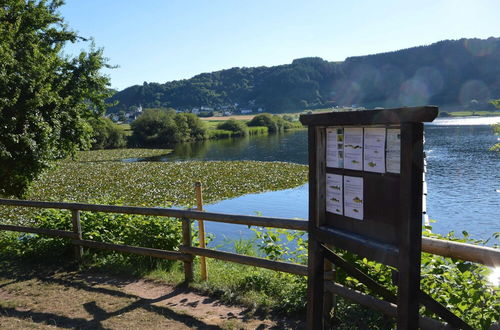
(48, 299)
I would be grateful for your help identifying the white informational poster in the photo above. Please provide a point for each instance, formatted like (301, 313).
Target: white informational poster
(335, 147)
(353, 197)
(353, 148)
(393, 155)
(334, 193)
(374, 150)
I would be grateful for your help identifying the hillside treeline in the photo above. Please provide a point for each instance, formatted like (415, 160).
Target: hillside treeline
(463, 73)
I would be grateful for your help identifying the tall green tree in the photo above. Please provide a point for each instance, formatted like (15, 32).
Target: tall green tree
(46, 97)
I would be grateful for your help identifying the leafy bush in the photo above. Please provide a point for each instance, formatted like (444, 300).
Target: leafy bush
(106, 134)
(135, 230)
(266, 120)
(496, 130)
(237, 127)
(459, 285)
(160, 127)
(274, 123)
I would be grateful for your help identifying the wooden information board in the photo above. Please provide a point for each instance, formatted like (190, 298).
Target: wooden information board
(365, 196)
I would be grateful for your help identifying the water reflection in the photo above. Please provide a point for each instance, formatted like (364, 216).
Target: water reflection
(288, 146)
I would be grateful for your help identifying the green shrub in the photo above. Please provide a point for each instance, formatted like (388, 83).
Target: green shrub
(135, 230)
(161, 127)
(266, 120)
(106, 134)
(274, 123)
(460, 285)
(237, 127)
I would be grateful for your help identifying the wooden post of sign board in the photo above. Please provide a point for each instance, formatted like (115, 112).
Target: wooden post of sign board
(315, 287)
(389, 231)
(411, 224)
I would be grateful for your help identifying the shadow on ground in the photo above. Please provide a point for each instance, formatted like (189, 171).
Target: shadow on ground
(61, 296)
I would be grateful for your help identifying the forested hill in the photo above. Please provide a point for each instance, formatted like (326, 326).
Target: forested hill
(460, 73)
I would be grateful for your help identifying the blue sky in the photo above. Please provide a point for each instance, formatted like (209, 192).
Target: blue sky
(164, 40)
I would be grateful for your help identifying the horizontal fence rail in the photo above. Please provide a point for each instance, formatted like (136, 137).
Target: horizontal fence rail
(467, 252)
(164, 212)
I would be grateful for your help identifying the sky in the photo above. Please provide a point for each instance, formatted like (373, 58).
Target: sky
(165, 40)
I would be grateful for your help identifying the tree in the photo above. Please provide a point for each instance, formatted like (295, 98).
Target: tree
(45, 96)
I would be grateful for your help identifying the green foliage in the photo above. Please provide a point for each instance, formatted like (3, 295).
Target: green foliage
(496, 127)
(237, 127)
(461, 286)
(145, 231)
(106, 134)
(45, 97)
(266, 120)
(496, 103)
(161, 127)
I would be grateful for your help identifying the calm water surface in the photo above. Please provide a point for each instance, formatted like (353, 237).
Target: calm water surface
(463, 176)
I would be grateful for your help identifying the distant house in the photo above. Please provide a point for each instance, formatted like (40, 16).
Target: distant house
(245, 111)
(196, 111)
(260, 110)
(228, 113)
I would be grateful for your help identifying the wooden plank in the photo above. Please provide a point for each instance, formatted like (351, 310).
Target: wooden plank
(385, 307)
(468, 252)
(164, 212)
(77, 229)
(410, 229)
(247, 260)
(41, 231)
(156, 253)
(315, 285)
(369, 248)
(372, 117)
(355, 272)
(186, 243)
(442, 312)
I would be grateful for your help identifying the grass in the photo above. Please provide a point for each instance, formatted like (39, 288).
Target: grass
(473, 113)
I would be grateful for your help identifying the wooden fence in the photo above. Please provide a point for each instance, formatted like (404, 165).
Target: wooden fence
(467, 252)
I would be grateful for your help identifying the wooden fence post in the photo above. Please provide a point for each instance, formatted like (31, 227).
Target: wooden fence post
(201, 228)
(328, 299)
(77, 229)
(186, 242)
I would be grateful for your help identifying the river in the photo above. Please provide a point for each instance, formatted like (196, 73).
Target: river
(463, 176)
